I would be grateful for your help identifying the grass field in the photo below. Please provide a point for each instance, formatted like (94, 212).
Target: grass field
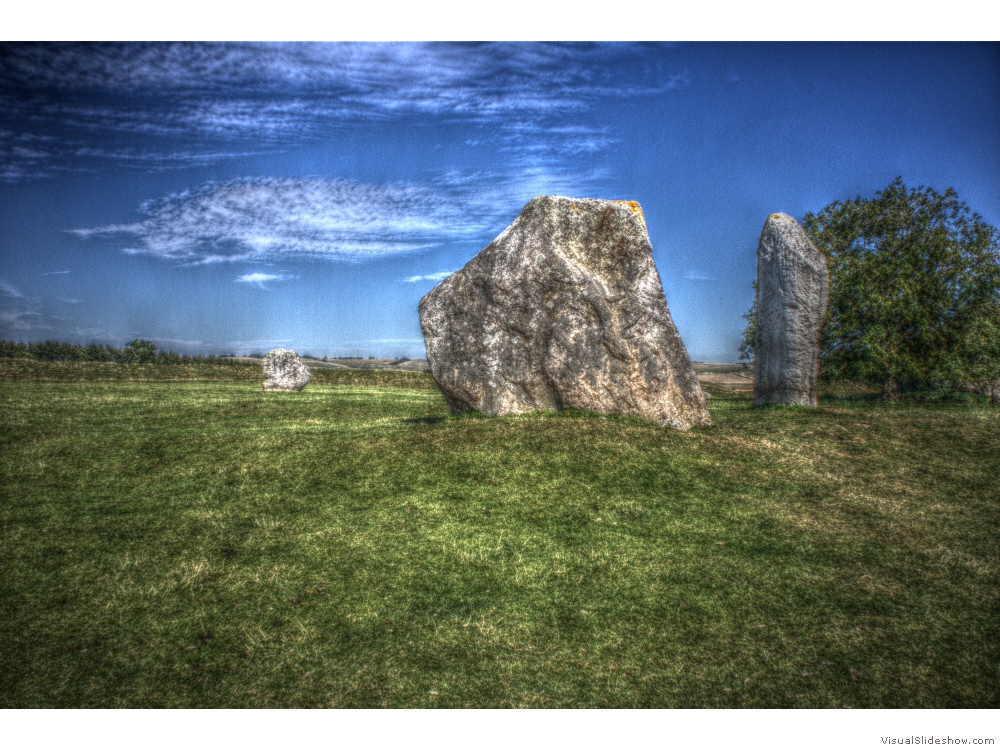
(168, 540)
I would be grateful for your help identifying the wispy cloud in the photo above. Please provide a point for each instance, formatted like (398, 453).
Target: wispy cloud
(8, 290)
(59, 101)
(375, 77)
(698, 276)
(21, 321)
(259, 278)
(268, 218)
(48, 156)
(8, 316)
(494, 195)
(55, 273)
(437, 276)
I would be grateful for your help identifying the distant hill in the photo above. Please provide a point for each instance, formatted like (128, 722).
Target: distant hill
(403, 364)
(730, 375)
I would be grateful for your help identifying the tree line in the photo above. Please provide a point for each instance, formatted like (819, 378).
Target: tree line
(137, 351)
(914, 293)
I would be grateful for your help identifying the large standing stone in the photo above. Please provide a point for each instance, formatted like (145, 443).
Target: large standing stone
(793, 289)
(284, 371)
(563, 310)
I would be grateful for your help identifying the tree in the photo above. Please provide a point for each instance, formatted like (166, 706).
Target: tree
(749, 342)
(914, 289)
(911, 272)
(142, 351)
(167, 358)
(15, 350)
(981, 349)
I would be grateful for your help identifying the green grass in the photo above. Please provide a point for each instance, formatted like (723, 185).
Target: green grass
(70, 372)
(192, 543)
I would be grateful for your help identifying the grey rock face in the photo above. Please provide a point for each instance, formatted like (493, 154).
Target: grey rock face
(563, 310)
(793, 290)
(284, 371)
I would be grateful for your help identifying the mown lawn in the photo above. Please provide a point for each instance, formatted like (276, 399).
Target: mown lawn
(204, 544)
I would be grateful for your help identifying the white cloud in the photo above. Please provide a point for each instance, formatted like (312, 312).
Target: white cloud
(437, 276)
(54, 273)
(7, 290)
(10, 316)
(157, 161)
(261, 277)
(698, 276)
(21, 321)
(375, 77)
(266, 218)
(300, 92)
(180, 87)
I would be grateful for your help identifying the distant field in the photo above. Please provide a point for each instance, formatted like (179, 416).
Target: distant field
(35, 371)
(353, 363)
(718, 367)
(411, 373)
(168, 542)
(731, 376)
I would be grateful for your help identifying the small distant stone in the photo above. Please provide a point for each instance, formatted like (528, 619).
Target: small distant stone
(284, 371)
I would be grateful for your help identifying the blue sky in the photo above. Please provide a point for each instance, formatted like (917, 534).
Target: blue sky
(218, 198)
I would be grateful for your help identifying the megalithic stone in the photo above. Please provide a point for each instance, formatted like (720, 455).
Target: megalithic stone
(563, 310)
(793, 290)
(284, 371)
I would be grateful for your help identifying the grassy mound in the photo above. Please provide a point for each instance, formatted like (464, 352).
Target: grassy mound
(207, 544)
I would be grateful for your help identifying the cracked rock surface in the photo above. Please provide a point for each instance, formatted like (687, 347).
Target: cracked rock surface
(284, 371)
(793, 290)
(563, 310)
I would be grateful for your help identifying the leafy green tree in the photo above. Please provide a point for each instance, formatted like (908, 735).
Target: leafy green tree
(911, 272)
(15, 350)
(168, 358)
(749, 341)
(142, 351)
(981, 350)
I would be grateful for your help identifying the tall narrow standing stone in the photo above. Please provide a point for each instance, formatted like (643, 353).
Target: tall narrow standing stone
(793, 289)
(563, 310)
